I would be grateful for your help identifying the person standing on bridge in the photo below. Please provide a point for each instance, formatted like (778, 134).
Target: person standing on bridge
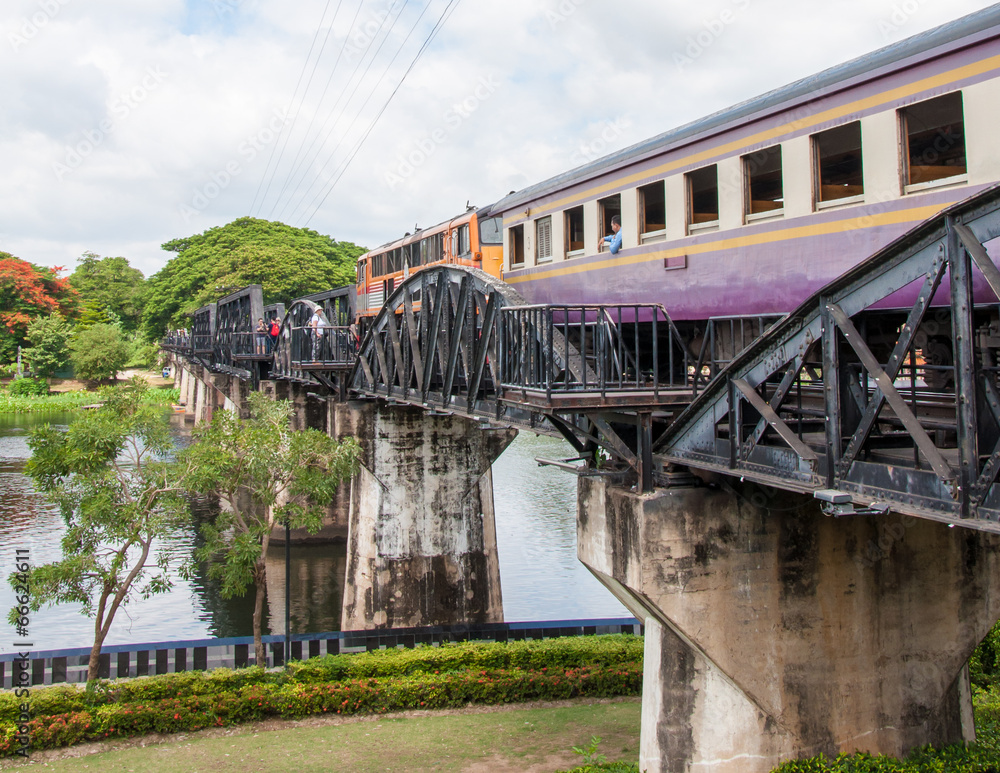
(315, 332)
(615, 239)
(273, 331)
(260, 337)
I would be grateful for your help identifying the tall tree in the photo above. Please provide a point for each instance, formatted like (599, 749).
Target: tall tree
(117, 496)
(263, 473)
(28, 291)
(49, 338)
(110, 284)
(287, 262)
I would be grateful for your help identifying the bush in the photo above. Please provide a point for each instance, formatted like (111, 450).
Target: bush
(142, 353)
(449, 676)
(568, 652)
(233, 704)
(952, 759)
(28, 387)
(99, 352)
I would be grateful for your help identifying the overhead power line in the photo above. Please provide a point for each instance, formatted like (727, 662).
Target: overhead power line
(303, 159)
(452, 4)
(291, 108)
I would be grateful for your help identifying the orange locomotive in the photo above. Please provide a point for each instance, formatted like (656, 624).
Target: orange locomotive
(471, 239)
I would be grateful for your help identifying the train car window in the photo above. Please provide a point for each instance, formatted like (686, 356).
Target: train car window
(837, 164)
(607, 209)
(490, 230)
(516, 245)
(762, 178)
(702, 198)
(574, 231)
(934, 136)
(652, 212)
(543, 239)
(464, 246)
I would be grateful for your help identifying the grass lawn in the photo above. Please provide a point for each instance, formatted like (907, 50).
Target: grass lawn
(504, 739)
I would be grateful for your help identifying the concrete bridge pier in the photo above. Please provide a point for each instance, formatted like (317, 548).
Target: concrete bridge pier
(185, 379)
(422, 543)
(774, 631)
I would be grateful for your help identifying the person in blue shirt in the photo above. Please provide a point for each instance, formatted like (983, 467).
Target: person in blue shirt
(615, 240)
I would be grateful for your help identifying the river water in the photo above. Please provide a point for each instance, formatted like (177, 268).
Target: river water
(541, 578)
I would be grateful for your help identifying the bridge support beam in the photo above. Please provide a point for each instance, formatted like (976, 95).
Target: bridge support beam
(774, 631)
(422, 542)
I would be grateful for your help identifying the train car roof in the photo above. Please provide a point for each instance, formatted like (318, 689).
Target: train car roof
(976, 26)
(420, 232)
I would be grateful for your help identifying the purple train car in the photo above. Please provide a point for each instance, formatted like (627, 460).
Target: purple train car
(751, 210)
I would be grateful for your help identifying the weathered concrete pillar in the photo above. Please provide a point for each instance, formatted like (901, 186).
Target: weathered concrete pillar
(422, 542)
(774, 631)
(190, 397)
(200, 397)
(182, 376)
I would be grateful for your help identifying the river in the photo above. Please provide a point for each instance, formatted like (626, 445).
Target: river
(541, 578)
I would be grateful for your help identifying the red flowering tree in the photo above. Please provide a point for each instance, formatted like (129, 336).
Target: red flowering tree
(28, 291)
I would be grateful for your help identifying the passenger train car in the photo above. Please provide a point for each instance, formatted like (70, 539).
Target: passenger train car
(754, 208)
(473, 238)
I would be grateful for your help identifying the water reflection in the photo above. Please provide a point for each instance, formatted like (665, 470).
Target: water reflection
(317, 587)
(541, 577)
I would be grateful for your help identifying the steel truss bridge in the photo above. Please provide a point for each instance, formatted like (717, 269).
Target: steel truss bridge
(882, 391)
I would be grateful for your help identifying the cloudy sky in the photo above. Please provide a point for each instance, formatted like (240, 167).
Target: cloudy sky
(126, 123)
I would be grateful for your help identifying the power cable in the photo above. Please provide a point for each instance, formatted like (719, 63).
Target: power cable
(290, 109)
(302, 161)
(331, 128)
(449, 9)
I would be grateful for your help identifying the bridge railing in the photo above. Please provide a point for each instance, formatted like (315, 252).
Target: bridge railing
(724, 338)
(176, 342)
(254, 345)
(332, 345)
(201, 342)
(592, 348)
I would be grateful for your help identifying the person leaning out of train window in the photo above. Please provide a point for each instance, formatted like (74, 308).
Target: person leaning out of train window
(615, 239)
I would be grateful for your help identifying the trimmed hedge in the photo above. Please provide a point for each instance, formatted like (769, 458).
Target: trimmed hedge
(449, 676)
(951, 759)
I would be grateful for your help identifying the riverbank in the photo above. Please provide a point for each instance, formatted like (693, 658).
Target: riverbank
(70, 395)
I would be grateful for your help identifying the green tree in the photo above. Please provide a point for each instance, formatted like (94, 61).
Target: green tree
(263, 473)
(111, 284)
(96, 313)
(49, 339)
(28, 291)
(99, 352)
(117, 495)
(287, 262)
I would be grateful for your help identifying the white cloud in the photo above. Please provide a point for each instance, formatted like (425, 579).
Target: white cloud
(178, 102)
